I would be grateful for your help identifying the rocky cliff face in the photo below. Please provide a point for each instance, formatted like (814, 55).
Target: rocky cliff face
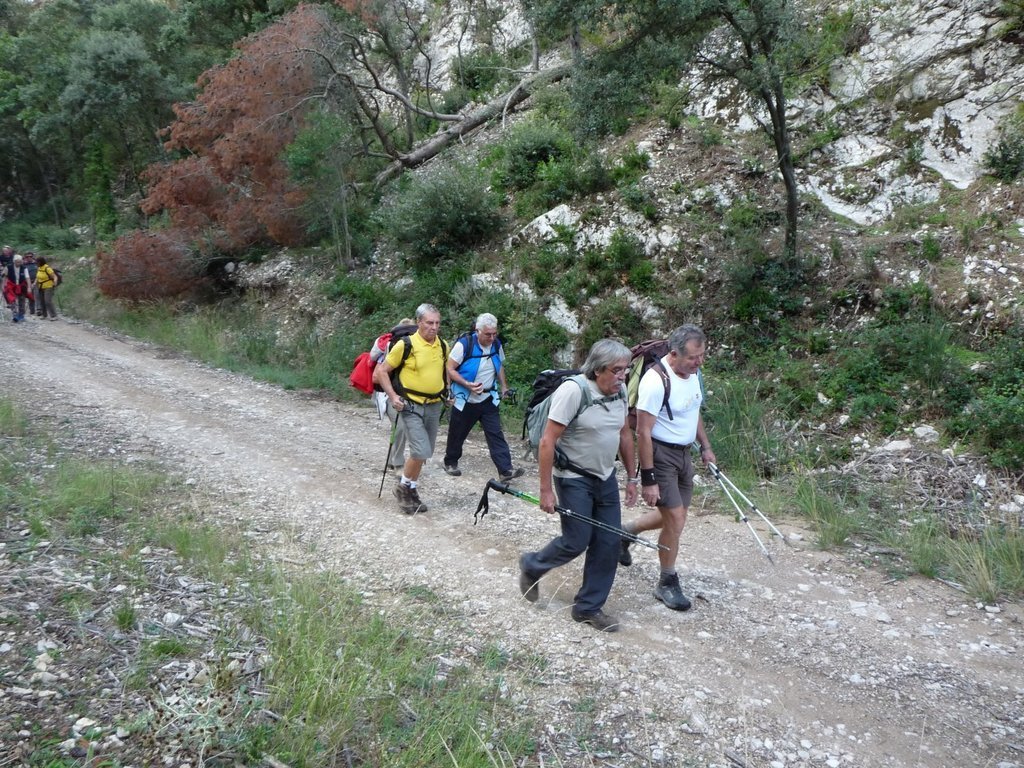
(916, 105)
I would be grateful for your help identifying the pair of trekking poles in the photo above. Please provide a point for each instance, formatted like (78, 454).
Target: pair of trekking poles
(728, 487)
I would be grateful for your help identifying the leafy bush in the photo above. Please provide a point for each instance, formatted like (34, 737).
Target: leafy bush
(442, 214)
(766, 287)
(529, 145)
(478, 72)
(633, 164)
(612, 318)
(892, 373)
(995, 416)
(1005, 161)
(614, 87)
(641, 200)
(366, 295)
(54, 238)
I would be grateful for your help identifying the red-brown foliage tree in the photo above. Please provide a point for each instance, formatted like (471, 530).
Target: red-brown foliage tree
(232, 190)
(148, 265)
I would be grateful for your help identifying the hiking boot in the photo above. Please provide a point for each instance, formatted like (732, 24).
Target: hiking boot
(452, 469)
(527, 583)
(420, 506)
(670, 594)
(625, 557)
(512, 474)
(408, 500)
(599, 620)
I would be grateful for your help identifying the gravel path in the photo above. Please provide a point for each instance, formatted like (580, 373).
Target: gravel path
(815, 660)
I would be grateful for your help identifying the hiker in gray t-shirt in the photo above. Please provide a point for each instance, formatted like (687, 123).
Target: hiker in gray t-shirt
(577, 460)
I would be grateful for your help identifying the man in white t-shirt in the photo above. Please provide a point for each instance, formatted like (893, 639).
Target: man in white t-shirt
(476, 368)
(669, 421)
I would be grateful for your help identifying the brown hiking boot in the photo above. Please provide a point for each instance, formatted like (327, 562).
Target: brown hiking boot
(599, 620)
(527, 583)
(408, 501)
(420, 506)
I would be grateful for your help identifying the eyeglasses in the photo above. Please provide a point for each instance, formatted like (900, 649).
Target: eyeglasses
(618, 370)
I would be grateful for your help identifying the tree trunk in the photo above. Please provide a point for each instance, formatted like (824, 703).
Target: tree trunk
(434, 145)
(776, 102)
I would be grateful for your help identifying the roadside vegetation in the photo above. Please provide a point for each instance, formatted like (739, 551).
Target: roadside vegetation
(289, 667)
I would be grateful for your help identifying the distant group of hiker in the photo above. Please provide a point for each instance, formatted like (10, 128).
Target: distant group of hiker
(587, 424)
(27, 284)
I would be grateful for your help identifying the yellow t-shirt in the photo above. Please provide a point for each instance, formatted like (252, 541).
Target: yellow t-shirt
(422, 375)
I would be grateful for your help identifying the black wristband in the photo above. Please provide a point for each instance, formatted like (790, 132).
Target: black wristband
(647, 477)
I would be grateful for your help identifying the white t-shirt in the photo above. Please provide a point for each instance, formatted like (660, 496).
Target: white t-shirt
(592, 440)
(684, 400)
(485, 374)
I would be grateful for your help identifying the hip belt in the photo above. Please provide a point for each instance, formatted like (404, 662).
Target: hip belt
(673, 446)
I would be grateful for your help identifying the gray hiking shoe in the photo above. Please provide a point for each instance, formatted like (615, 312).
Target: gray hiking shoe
(408, 500)
(453, 470)
(512, 474)
(670, 594)
(599, 620)
(527, 583)
(625, 557)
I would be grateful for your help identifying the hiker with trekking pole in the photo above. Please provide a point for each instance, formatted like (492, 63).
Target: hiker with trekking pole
(414, 377)
(668, 423)
(585, 429)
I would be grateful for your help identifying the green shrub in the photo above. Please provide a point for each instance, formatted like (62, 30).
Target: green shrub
(478, 72)
(528, 145)
(613, 318)
(365, 294)
(995, 415)
(1005, 160)
(888, 374)
(624, 251)
(532, 342)
(641, 200)
(442, 214)
(633, 164)
(931, 249)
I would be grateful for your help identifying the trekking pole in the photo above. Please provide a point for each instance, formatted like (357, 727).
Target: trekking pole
(387, 461)
(484, 506)
(751, 504)
(721, 478)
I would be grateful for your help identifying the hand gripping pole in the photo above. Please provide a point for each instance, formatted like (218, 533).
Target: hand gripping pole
(484, 506)
(729, 487)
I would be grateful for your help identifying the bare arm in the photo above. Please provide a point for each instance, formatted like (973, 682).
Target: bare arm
(629, 461)
(382, 376)
(706, 453)
(645, 447)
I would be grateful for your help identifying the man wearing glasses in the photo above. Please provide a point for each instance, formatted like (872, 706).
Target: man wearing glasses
(576, 458)
(668, 422)
(476, 369)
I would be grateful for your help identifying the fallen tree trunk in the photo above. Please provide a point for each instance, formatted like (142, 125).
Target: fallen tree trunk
(499, 106)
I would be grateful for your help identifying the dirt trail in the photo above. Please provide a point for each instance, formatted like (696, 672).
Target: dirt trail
(816, 660)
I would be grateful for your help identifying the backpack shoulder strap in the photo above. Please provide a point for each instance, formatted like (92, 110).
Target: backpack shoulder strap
(666, 382)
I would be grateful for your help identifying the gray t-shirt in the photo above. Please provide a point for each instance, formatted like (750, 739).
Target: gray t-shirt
(592, 440)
